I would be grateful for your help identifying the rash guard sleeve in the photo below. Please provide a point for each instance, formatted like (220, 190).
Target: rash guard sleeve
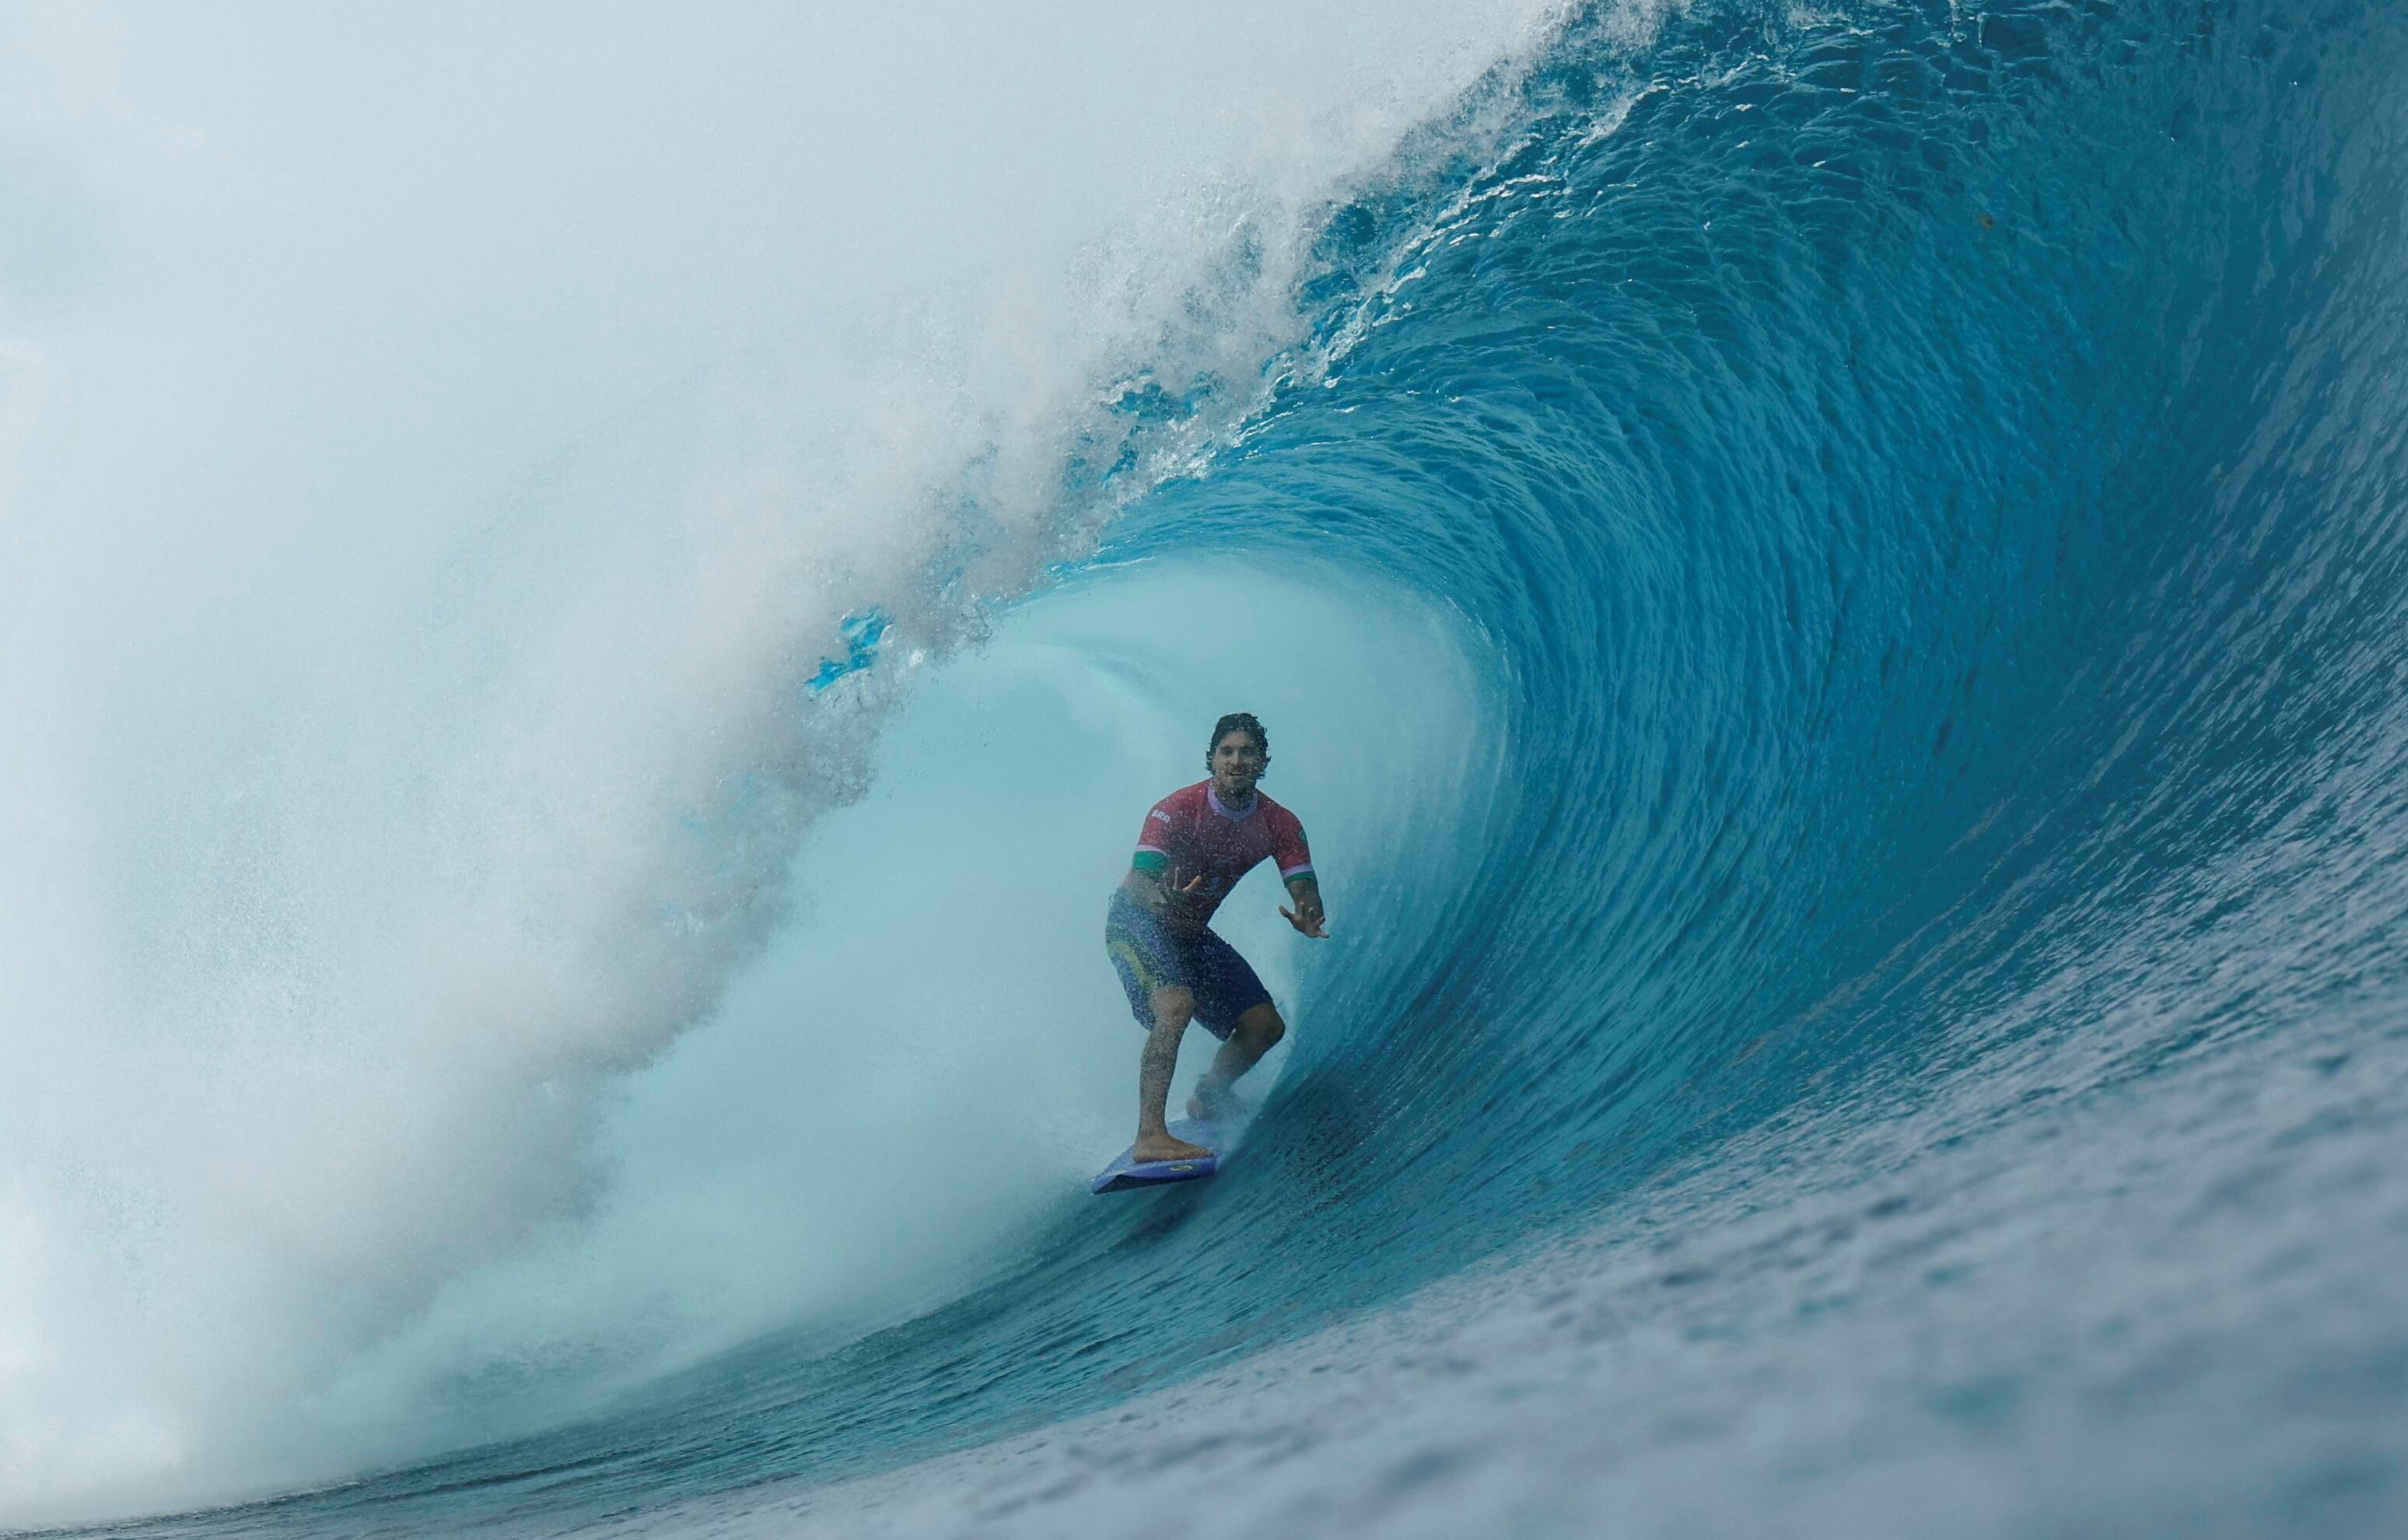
(1154, 838)
(1287, 846)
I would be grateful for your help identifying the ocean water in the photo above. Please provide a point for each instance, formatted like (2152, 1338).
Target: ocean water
(1830, 583)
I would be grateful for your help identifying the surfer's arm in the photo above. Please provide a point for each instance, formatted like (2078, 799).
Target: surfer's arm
(1148, 874)
(1307, 914)
(1144, 882)
(1295, 858)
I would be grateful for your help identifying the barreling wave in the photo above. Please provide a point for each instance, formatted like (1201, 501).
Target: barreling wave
(1902, 510)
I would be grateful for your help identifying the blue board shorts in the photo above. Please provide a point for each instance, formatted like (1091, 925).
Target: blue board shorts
(1149, 957)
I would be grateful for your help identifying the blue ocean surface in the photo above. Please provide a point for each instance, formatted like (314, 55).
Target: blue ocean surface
(1838, 581)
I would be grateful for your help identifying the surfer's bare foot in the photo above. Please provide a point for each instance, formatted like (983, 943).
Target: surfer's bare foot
(1216, 1103)
(1164, 1147)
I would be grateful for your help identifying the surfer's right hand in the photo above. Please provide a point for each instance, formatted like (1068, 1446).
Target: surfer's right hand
(1164, 900)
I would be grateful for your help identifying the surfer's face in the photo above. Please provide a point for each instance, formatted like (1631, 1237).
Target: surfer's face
(1236, 765)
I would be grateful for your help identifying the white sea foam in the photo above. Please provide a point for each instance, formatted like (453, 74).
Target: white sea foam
(435, 449)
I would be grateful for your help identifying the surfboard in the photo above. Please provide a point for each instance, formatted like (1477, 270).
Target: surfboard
(1128, 1171)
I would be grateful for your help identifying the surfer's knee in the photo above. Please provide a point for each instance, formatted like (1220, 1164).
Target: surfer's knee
(1263, 1028)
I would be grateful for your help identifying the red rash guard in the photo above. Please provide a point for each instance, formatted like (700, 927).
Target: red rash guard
(1191, 834)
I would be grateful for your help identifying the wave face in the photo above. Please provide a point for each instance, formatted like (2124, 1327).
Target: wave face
(1897, 521)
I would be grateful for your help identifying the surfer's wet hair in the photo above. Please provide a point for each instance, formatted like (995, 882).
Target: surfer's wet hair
(1243, 722)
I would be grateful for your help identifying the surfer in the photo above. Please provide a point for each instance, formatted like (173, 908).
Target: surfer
(1196, 844)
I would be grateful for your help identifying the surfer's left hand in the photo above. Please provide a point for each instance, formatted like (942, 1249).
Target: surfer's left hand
(1309, 922)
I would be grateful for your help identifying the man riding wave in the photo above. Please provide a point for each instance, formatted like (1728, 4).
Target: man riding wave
(1195, 845)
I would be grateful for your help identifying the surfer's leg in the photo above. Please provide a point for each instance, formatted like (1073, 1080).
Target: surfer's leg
(1232, 1004)
(1257, 1032)
(1171, 1009)
(1153, 972)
